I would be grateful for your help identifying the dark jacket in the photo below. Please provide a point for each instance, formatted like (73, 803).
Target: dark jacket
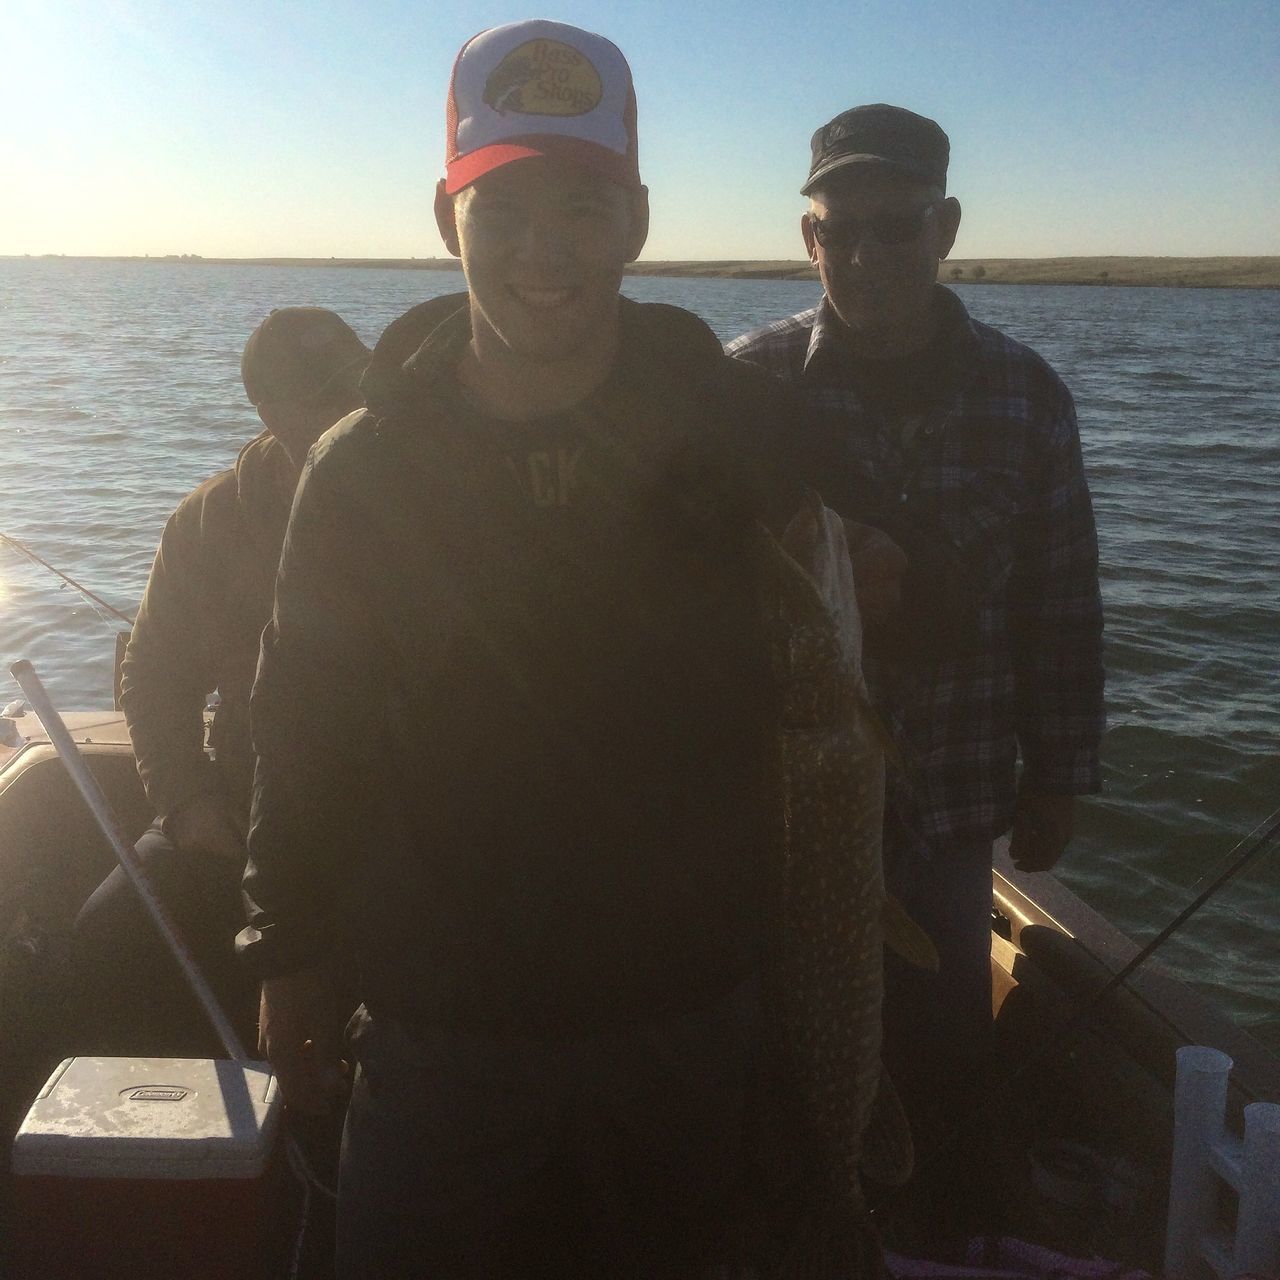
(995, 469)
(198, 630)
(548, 807)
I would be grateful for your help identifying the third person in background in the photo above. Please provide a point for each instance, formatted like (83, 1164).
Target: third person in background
(975, 438)
(197, 631)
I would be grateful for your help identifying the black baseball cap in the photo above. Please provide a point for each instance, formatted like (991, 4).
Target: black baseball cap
(883, 135)
(301, 354)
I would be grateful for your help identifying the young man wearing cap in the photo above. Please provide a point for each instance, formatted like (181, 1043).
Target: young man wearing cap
(975, 436)
(548, 858)
(198, 630)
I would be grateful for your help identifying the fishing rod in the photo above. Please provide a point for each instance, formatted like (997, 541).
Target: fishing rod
(23, 549)
(1233, 869)
(36, 694)
(1235, 865)
(24, 673)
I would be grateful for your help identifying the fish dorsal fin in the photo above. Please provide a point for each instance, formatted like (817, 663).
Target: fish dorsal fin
(905, 938)
(888, 1152)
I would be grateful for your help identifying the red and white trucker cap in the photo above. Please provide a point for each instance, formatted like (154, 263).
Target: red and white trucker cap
(540, 88)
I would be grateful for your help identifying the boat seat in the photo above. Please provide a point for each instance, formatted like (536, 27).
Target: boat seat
(52, 854)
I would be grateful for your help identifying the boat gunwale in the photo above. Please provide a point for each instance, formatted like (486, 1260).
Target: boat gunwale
(1041, 899)
(1025, 899)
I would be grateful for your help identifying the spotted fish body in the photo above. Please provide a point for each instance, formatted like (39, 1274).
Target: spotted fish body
(829, 968)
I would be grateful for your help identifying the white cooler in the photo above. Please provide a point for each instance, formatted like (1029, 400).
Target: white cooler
(140, 1167)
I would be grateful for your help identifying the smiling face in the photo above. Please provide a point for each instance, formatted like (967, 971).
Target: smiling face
(543, 245)
(880, 285)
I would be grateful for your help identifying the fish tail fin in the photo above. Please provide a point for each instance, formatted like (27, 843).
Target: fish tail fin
(888, 1152)
(867, 1261)
(872, 1263)
(825, 1248)
(905, 938)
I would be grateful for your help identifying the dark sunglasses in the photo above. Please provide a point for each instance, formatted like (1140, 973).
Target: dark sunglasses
(843, 235)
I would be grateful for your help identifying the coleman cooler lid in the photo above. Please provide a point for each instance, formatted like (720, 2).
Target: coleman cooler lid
(151, 1118)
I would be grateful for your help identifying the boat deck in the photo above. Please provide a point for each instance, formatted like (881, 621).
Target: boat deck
(1101, 1082)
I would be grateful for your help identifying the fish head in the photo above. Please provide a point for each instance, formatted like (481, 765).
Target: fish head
(813, 580)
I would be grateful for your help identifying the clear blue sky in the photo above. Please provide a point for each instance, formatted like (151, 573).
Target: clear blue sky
(230, 128)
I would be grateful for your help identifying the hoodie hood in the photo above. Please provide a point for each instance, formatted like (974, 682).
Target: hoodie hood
(423, 344)
(265, 481)
(384, 381)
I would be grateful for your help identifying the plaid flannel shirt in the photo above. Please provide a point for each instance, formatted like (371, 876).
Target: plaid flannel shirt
(996, 464)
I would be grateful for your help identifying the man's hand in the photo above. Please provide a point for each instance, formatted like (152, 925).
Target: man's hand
(205, 825)
(1042, 828)
(878, 567)
(300, 1034)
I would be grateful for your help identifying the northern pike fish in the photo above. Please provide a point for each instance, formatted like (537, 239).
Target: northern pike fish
(828, 970)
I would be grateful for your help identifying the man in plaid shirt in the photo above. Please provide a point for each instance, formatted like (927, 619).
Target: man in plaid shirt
(971, 440)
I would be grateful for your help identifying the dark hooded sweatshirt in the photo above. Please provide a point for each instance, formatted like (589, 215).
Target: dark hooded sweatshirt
(198, 630)
(547, 805)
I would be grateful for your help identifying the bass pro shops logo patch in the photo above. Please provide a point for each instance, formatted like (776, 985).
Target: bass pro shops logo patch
(544, 78)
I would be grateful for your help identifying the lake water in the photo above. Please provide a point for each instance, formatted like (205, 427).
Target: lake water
(119, 391)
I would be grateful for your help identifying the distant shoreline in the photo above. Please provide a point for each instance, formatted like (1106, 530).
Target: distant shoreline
(1190, 273)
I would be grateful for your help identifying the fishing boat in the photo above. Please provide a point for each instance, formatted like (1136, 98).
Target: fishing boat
(1068, 1145)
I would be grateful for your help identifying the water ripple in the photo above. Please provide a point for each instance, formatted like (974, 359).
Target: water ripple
(119, 391)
